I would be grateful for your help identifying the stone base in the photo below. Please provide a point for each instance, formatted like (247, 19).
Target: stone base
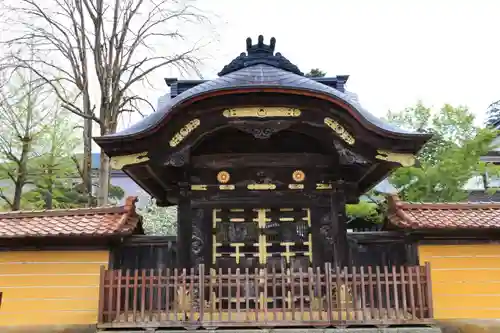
(470, 326)
(49, 329)
(296, 330)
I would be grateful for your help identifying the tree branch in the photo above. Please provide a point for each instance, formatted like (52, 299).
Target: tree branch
(7, 201)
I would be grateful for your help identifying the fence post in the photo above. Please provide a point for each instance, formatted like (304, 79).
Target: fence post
(201, 287)
(102, 272)
(430, 305)
(329, 291)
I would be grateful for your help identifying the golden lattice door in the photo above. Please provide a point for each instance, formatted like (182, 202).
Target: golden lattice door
(261, 237)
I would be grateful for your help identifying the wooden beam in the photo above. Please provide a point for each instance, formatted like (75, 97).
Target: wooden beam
(221, 161)
(150, 187)
(154, 174)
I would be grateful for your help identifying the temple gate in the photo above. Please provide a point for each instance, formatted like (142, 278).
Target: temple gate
(261, 163)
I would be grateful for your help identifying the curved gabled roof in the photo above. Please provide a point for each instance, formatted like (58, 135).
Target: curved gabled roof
(260, 76)
(262, 70)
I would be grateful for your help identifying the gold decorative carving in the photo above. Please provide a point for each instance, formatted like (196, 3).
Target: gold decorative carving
(307, 218)
(237, 252)
(405, 160)
(215, 254)
(184, 299)
(223, 177)
(263, 301)
(264, 112)
(261, 217)
(184, 132)
(296, 186)
(118, 162)
(198, 187)
(261, 187)
(298, 176)
(289, 300)
(340, 130)
(287, 254)
(318, 303)
(226, 187)
(215, 219)
(262, 246)
(309, 246)
(321, 186)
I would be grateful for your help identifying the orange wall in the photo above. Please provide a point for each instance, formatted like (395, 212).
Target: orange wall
(50, 287)
(465, 280)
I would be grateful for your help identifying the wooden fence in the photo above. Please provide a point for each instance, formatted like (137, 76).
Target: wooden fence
(327, 296)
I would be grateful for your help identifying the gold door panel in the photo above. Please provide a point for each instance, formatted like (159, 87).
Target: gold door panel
(260, 237)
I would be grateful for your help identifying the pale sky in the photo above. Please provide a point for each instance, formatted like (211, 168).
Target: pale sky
(395, 51)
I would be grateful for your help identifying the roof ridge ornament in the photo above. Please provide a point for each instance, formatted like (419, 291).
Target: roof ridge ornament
(260, 53)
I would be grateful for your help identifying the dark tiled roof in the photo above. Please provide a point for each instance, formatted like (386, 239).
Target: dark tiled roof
(258, 76)
(443, 216)
(260, 53)
(177, 87)
(103, 221)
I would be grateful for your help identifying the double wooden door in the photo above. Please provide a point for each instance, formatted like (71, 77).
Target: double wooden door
(261, 237)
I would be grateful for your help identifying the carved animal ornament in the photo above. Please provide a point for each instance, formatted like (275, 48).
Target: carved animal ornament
(405, 160)
(118, 162)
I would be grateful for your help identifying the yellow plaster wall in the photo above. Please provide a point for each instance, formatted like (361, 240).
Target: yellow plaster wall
(465, 280)
(50, 287)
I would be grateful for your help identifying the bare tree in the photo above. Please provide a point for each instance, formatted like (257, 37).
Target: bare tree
(110, 42)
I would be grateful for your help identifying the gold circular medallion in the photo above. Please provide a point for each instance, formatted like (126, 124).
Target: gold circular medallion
(223, 177)
(298, 176)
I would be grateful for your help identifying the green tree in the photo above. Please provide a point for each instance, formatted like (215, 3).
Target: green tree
(316, 72)
(159, 220)
(23, 113)
(449, 160)
(54, 168)
(37, 150)
(365, 210)
(116, 193)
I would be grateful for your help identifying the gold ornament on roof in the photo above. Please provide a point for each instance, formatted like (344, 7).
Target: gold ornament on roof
(406, 160)
(261, 187)
(184, 132)
(223, 177)
(340, 130)
(298, 176)
(263, 112)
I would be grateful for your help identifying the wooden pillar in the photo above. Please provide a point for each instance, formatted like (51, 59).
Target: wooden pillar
(322, 249)
(184, 229)
(332, 231)
(200, 238)
(339, 227)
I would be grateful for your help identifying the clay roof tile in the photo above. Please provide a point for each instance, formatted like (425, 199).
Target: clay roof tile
(101, 221)
(426, 216)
